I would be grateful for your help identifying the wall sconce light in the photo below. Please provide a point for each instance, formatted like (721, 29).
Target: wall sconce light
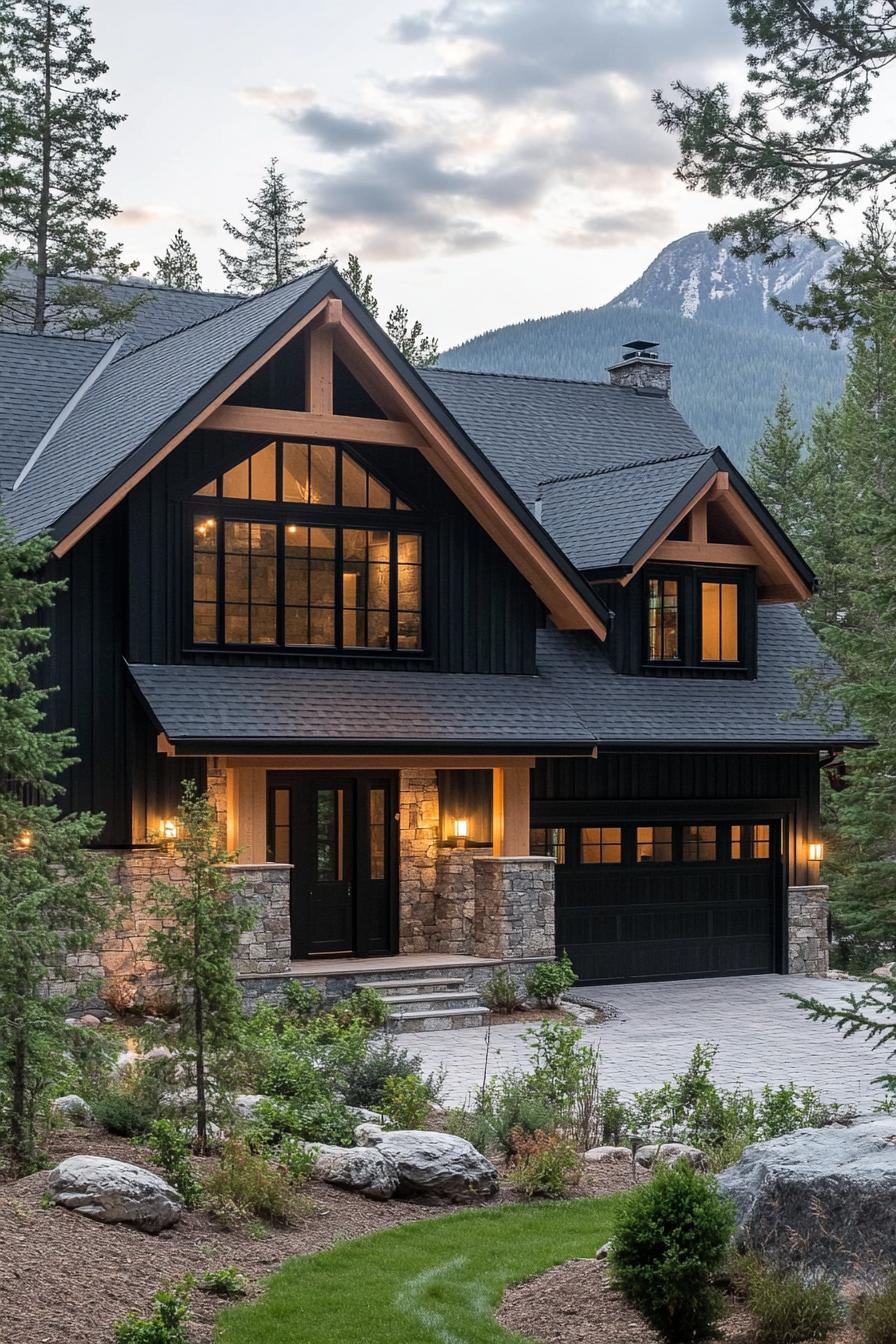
(23, 842)
(816, 851)
(169, 830)
(461, 831)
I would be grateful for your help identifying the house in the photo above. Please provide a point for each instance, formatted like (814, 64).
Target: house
(475, 667)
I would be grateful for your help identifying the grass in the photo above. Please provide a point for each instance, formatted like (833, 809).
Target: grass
(432, 1282)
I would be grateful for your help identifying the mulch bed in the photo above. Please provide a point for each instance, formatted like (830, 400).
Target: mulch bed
(574, 1304)
(499, 1019)
(65, 1279)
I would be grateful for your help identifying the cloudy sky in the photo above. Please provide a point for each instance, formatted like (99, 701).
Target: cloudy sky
(489, 160)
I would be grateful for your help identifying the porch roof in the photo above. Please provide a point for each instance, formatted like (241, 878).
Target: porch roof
(294, 711)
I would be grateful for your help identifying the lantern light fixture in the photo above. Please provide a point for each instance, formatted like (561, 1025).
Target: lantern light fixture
(24, 841)
(816, 851)
(169, 829)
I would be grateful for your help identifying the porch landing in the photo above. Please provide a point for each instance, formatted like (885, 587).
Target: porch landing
(315, 967)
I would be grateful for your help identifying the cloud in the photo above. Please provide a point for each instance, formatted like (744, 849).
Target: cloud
(337, 133)
(611, 228)
(136, 216)
(277, 98)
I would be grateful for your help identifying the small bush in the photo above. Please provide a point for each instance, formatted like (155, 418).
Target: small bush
(228, 1282)
(549, 979)
(614, 1116)
(406, 1101)
(877, 1317)
(123, 1112)
(318, 1122)
(670, 1238)
(171, 1150)
(787, 1310)
(505, 1105)
(246, 1186)
(364, 1006)
(166, 1325)
(500, 993)
(366, 1076)
(297, 1159)
(545, 1165)
(302, 1000)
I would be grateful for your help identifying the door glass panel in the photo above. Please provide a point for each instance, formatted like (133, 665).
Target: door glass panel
(550, 841)
(698, 844)
(601, 844)
(654, 844)
(330, 819)
(279, 847)
(377, 834)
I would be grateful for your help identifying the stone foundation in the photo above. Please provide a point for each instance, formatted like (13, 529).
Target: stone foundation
(514, 906)
(418, 853)
(807, 922)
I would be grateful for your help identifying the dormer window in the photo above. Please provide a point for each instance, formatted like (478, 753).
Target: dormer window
(662, 620)
(298, 547)
(719, 642)
(698, 619)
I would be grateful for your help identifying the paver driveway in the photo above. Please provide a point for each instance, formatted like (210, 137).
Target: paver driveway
(762, 1038)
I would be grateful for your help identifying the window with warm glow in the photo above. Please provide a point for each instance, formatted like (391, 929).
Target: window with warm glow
(291, 577)
(698, 844)
(718, 622)
(653, 844)
(662, 620)
(752, 841)
(601, 844)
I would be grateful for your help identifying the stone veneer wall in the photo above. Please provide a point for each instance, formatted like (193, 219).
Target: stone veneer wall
(807, 922)
(455, 902)
(514, 906)
(120, 972)
(418, 853)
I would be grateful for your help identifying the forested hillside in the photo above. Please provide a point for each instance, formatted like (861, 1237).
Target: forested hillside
(727, 367)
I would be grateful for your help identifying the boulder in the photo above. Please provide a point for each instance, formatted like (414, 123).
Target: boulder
(115, 1192)
(429, 1163)
(608, 1153)
(247, 1104)
(670, 1153)
(363, 1169)
(820, 1200)
(376, 1117)
(72, 1107)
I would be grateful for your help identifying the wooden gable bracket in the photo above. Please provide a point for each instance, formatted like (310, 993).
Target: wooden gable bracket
(778, 580)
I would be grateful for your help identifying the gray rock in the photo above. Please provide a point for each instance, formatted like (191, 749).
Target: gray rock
(90, 1020)
(670, 1153)
(429, 1163)
(72, 1107)
(246, 1105)
(820, 1200)
(608, 1153)
(375, 1117)
(115, 1192)
(363, 1169)
(603, 1252)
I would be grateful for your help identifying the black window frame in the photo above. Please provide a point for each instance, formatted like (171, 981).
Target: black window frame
(690, 580)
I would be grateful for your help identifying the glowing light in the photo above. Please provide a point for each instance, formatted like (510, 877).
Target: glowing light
(816, 851)
(169, 829)
(24, 840)
(461, 828)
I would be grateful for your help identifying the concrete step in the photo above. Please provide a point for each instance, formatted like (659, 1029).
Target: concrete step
(413, 983)
(451, 998)
(440, 1019)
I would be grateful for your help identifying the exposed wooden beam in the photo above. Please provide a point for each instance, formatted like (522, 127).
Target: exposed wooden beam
(380, 761)
(332, 314)
(319, 370)
(719, 485)
(310, 425)
(699, 532)
(707, 553)
(661, 541)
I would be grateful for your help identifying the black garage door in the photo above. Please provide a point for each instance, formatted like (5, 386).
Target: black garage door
(642, 901)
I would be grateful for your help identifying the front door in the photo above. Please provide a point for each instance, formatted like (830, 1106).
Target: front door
(340, 833)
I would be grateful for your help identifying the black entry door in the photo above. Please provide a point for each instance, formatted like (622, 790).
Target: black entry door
(658, 902)
(340, 834)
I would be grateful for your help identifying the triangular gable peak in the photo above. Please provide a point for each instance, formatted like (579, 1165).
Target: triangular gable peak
(721, 525)
(404, 414)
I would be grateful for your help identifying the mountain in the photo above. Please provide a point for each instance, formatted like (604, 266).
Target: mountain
(710, 315)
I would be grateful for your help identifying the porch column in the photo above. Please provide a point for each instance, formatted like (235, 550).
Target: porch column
(511, 810)
(807, 928)
(248, 822)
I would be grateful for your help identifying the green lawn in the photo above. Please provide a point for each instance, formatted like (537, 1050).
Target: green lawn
(432, 1282)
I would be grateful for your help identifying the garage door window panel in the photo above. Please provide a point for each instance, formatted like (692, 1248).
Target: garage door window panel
(549, 841)
(653, 844)
(698, 844)
(601, 844)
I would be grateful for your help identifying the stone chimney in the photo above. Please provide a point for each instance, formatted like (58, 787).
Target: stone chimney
(642, 369)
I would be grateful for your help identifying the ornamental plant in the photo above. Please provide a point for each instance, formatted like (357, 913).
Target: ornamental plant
(549, 979)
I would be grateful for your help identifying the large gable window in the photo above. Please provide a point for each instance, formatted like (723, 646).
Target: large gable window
(275, 564)
(698, 619)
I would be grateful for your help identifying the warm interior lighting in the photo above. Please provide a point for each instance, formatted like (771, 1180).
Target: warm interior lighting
(461, 828)
(816, 851)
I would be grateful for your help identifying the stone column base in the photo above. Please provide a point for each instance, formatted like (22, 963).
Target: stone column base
(514, 906)
(807, 926)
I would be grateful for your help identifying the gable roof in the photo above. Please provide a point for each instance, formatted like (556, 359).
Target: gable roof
(40, 376)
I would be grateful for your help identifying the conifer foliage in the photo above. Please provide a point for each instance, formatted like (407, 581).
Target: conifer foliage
(777, 470)
(54, 893)
(414, 344)
(54, 125)
(271, 235)
(177, 267)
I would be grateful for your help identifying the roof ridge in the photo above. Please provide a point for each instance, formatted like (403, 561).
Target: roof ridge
(70, 338)
(141, 283)
(624, 466)
(211, 317)
(526, 377)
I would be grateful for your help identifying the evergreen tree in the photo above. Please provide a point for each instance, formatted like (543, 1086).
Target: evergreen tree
(177, 267)
(54, 893)
(416, 347)
(55, 118)
(776, 469)
(826, 506)
(200, 926)
(271, 235)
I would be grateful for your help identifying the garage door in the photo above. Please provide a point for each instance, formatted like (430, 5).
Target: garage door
(644, 900)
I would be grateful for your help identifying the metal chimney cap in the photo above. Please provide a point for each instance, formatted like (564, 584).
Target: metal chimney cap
(640, 349)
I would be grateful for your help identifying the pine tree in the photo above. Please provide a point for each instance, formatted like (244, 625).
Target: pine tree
(177, 267)
(54, 893)
(56, 119)
(409, 337)
(200, 925)
(271, 234)
(776, 468)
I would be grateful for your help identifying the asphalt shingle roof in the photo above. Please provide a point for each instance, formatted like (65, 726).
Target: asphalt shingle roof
(250, 705)
(40, 374)
(598, 517)
(134, 398)
(536, 428)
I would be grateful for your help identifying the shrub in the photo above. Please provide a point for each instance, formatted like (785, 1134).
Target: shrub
(544, 1164)
(670, 1238)
(319, 1122)
(614, 1116)
(561, 1065)
(877, 1317)
(787, 1310)
(549, 979)
(228, 1282)
(166, 1325)
(302, 1000)
(366, 1076)
(297, 1159)
(500, 993)
(123, 1112)
(246, 1186)
(406, 1101)
(364, 1006)
(171, 1150)
(505, 1105)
